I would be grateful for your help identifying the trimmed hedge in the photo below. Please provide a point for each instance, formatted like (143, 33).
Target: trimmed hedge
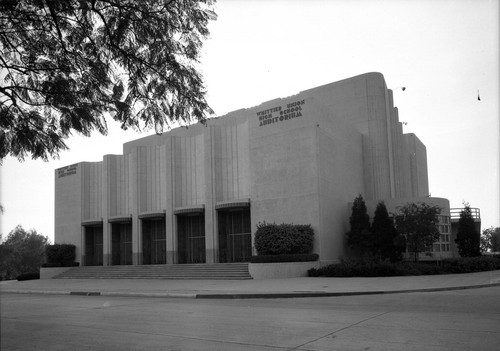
(61, 254)
(284, 258)
(359, 268)
(28, 276)
(471, 264)
(284, 239)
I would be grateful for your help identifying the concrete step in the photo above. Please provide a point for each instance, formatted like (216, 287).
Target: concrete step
(231, 271)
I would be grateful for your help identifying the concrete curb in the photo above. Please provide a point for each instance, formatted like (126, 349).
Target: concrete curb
(333, 294)
(254, 295)
(138, 294)
(102, 293)
(42, 292)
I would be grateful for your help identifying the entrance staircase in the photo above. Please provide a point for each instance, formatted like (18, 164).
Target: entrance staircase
(226, 271)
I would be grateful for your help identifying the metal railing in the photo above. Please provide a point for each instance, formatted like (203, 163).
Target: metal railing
(455, 213)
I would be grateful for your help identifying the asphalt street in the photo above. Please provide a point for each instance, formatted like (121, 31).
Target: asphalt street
(446, 320)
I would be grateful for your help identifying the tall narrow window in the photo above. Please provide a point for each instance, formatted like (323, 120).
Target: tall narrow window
(93, 245)
(235, 237)
(191, 238)
(154, 241)
(121, 243)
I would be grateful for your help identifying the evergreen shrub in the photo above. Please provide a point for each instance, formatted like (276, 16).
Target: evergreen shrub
(361, 268)
(471, 264)
(284, 239)
(60, 255)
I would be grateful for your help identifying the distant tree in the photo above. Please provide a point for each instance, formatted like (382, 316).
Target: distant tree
(389, 244)
(22, 252)
(489, 240)
(485, 240)
(495, 240)
(360, 239)
(468, 238)
(66, 64)
(419, 224)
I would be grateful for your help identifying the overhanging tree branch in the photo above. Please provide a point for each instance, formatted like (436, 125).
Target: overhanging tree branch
(79, 59)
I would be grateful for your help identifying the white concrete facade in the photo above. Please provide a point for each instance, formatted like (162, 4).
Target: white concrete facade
(300, 159)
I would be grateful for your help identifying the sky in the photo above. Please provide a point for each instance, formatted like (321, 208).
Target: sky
(444, 52)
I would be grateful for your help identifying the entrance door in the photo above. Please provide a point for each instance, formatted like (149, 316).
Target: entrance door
(121, 243)
(191, 238)
(93, 246)
(235, 237)
(154, 241)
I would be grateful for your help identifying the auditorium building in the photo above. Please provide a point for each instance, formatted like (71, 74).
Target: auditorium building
(196, 195)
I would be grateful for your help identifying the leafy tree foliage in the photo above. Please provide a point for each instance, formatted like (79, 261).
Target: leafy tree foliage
(495, 240)
(360, 239)
(22, 252)
(490, 240)
(468, 238)
(419, 224)
(66, 64)
(388, 243)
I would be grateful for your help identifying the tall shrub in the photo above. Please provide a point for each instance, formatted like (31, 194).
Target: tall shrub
(468, 238)
(388, 243)
(360, 239)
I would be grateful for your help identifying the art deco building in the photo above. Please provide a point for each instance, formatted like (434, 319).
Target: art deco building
(196, 194)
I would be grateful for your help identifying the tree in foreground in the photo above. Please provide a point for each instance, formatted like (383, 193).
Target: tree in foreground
(419, 224)
(22, 252)
(67, 64)
(388, 243)
(468, 238)
(490, 240)
(360, 239)
(495, 239)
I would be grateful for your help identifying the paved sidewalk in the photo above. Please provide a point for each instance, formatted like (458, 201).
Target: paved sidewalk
(266, 288)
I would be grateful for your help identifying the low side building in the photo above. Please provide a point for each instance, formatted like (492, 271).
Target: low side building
(445, 246)
(196, 195)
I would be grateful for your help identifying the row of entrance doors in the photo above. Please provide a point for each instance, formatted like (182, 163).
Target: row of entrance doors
(235, 240)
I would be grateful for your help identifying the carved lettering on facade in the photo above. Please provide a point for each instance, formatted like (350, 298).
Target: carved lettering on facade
(280, 113)
(67, 171)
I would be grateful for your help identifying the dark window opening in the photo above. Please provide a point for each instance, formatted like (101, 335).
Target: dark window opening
(121, 243)
(154, 240)
(235, 237)
(93, 246)
(191, 238)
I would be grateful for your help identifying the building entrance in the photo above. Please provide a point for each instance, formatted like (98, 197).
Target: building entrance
(235, 237)
(154, 241)
(191, 238)
(121, 243)
(93, 246)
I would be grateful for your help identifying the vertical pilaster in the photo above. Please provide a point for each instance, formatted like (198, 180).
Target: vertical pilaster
(82, 248)
(211, 239)
(105, 193)
(169, 204)
(133, 170)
